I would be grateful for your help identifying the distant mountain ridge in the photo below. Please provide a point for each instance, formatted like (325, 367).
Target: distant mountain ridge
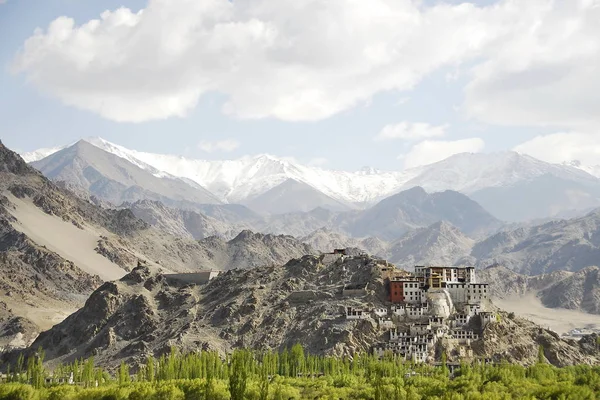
(115, 179)
(493, 180)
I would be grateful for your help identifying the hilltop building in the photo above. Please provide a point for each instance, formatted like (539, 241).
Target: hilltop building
(434, 305)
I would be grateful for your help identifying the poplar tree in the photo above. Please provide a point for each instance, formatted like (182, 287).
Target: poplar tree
(149, 369)
(238, 375)
(124, 374)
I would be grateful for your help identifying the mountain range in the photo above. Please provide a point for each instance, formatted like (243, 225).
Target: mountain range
(511, 186)
(59, 246)
(56, 248)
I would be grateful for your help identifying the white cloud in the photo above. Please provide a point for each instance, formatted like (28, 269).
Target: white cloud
(411, 131)
(286, 59)
(545, 71)
(534, 62)
(430, 151)
(226, 145)
(564, 147)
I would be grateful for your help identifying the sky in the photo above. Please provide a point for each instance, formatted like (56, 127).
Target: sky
(338, 84)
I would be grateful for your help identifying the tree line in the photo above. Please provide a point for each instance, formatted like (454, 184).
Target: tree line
(294, 374)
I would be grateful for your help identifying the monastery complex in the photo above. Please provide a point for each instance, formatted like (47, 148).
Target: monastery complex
(427, 310)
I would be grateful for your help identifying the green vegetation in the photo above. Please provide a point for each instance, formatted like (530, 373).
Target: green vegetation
(292, 374)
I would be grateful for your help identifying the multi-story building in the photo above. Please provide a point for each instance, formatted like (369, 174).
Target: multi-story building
(459, 282)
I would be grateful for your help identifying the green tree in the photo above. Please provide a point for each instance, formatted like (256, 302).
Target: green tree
(541, 356)
(124, 377)
(296, 360)
(263, 383)
(238, 376)
(150, 369)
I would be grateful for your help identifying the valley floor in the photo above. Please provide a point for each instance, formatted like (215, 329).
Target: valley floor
(559, 320)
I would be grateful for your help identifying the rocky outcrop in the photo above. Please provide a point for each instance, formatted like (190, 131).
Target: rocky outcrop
(518, 340)
(578, 291)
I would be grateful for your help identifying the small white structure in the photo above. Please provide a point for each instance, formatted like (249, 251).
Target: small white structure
(399, 310)
(487, 317)
(463, 336)
(416, 311)
(386, 323)
(355, 313)
(420, 329)
(380, 312)
(460, 320)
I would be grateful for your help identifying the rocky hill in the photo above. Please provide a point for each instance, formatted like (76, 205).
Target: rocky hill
(325, 240)
(269, 307)
(505, 282)
(579, 291)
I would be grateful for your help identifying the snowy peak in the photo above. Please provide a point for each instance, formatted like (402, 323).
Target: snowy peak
(246, 178)
(115, 179)
(468, 173)
(36, 155)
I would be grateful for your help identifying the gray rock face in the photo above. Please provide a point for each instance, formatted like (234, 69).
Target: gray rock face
(115, 179)
(580, 291)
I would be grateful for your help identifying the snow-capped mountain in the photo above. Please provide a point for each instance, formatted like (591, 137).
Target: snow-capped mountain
(513, 187)
(248, 177)
(471, 172)
(590, 169)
